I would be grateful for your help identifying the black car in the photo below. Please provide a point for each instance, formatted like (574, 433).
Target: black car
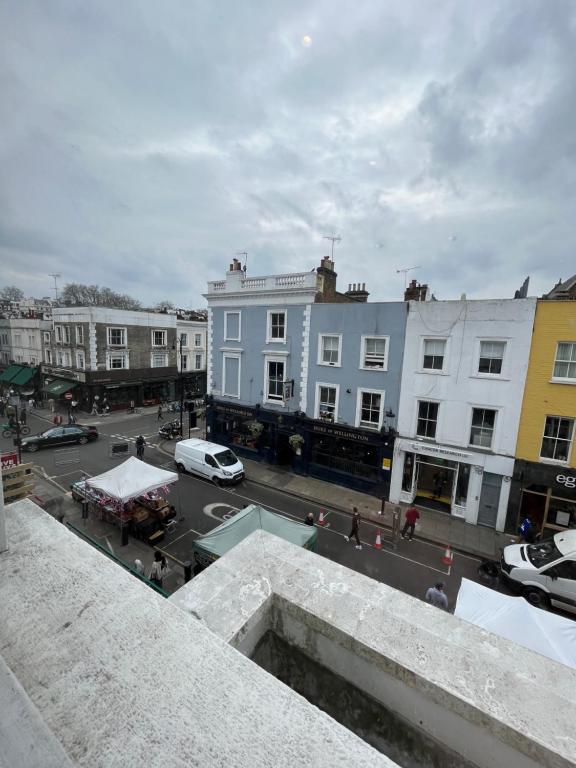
(72, 433)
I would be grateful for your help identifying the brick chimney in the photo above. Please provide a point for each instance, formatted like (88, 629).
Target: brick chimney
(357, 292)
(236, 266)
(326, 279)
(416, 292)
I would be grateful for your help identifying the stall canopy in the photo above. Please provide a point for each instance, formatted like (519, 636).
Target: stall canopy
(59, 387)
(515, 619)
(18, 375)
(253, 518)
(131, 479)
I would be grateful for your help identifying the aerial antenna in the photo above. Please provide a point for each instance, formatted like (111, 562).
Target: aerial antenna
(333, 239)
(405, 271)
(55, 276)
(245, 254)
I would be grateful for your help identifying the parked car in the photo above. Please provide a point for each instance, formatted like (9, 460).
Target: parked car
(71, 433)
(209, 460)
(544, 573)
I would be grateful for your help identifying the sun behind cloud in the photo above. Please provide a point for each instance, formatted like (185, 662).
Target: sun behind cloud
(306, 41)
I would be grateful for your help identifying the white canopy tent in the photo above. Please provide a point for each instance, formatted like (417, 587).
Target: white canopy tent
(130, 479)
(515, 619)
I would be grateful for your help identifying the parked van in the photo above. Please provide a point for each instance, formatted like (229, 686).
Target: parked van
(545, 573)
(210, 460)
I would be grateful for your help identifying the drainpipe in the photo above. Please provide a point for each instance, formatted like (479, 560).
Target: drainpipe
(3, 541)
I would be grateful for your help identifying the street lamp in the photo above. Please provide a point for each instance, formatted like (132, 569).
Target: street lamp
(180, 340)
(14, 401)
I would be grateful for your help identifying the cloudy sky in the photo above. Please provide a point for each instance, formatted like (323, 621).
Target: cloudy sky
(143, 144)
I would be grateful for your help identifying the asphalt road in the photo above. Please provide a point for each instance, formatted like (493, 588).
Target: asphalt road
(411, 567)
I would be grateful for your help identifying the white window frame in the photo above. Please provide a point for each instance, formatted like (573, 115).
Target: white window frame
(183, 361)
(164, 333)
(227, 337)
(46, 337)
(559, 462)
(80, 357)
(422, 354)
(496, 419)
(48, 356)
(79, 334)
(563, 379)
(164, 355)
(124, 336)
(198, 336)
(435, 402)
(273, 359)
(67, 358)
(269, 339)
(369, 390)
(67, 334)
(481, 374)
(366, 338)
(58, 333)
(320, 361)
(233, 356)
(330, 385)
(182, 339)
(117, 355)
(198, 361)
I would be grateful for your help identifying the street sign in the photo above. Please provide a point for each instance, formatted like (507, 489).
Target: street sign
(287, 390)
(68, 396)
(9, 460)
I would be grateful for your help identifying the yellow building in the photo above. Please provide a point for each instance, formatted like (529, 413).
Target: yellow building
(544, 483)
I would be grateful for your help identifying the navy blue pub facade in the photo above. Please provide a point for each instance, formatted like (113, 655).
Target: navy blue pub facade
(356, 458)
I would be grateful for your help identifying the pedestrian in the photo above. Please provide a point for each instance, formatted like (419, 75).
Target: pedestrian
(140, 444)
(31, 403)
(94, 411)
(412, 516)
(2, 407)
(159, 568)
(355, 530)
(52, 405)
(139, 567)
(437, 596)
(23, 415)
(309, 519)
(131, 406)
(160, 417)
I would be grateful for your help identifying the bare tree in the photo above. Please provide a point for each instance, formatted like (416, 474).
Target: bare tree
(11, 293)
(165, 305)
(79, 295)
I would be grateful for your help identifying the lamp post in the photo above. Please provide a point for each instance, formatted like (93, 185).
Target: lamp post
(14, 400)
(180, 341)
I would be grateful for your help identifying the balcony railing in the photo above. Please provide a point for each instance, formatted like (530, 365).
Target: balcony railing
(298, 280)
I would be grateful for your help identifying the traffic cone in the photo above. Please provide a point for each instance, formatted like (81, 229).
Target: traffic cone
(448, 556)
(378, 544)
(321, 520)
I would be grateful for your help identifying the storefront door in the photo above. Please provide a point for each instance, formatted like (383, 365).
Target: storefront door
(435, 481)
(489, 499)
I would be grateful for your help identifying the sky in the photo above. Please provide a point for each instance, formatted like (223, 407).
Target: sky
(144, 144)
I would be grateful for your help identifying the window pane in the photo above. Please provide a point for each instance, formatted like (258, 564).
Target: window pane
(557, 438)
(370, 409)
(277, 322)
(434, 354)
(330, 346)
(427, 419)
(374, 353)
(275, 379)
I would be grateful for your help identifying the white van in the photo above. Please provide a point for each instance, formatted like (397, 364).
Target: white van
(545, 573)
(210, 460)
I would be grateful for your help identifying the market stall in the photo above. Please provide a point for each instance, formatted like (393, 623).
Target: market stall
(132, 496)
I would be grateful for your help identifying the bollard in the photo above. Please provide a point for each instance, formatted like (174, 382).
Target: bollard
(396, 515)
(187, 571)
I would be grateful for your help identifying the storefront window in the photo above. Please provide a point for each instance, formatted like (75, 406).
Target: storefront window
(249, 433)
(407, 472)
(562, 512)
(462, 485)
(157, 392)
(347, 456)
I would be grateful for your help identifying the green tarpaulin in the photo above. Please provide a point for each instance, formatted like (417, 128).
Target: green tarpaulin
(10, 372)
(59, 387)
(23, 376)
(216, 543)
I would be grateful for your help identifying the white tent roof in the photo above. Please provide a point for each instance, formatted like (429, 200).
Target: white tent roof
(130, 479)
(516, 620)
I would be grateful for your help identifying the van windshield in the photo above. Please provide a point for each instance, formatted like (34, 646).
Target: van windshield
(225, 458)
(544, 553)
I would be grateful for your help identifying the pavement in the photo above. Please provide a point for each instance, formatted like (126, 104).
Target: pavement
(433, 526)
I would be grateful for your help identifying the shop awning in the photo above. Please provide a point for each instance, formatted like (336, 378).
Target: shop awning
(23, 376)
(58, 388)
(10, 372)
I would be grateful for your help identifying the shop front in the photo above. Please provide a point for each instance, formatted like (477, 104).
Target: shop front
(356, 458)
(544, 493)
(472, 486)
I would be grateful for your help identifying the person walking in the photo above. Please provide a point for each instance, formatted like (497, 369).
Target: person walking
(160, 417)
(309, 519)
(52, 405)
(526, 531)
(23, 415)
(159, 568)
(437, 596)
(412, 516)
(140, 445)
(139, 567)
(355, 530)
(31, 404)
(94, 411)
(132, 405)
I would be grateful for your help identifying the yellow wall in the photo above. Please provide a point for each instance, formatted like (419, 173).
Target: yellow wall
(555, 321)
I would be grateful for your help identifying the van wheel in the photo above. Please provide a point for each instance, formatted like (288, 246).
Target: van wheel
(217, 481)
(180, 467)
(537, 598)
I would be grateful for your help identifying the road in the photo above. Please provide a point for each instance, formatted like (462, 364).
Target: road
(411, 567)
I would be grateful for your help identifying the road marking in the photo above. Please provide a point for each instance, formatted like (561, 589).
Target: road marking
(190, 530)
(209, 510)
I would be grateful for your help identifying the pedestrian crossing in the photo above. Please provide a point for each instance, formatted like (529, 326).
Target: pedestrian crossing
(132, 439)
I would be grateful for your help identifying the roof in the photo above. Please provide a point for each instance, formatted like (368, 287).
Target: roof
(254, 518)
(130, 479)
(562, 289)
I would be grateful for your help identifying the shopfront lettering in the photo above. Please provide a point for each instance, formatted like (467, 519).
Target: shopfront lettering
(566, 480)
(66, 374)
(437, 451)
(237, 411)
(340, 433)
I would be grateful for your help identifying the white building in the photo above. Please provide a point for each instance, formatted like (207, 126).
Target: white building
(192, 354)
(463, 376)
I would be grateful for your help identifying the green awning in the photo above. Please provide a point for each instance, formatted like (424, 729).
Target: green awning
(10, 372)
(23, 376)
(59, 387)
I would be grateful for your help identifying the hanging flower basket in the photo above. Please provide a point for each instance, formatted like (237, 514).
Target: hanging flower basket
(256, 428)
(296, 443)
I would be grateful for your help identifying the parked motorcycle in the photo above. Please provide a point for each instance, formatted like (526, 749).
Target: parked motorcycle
(170, 430)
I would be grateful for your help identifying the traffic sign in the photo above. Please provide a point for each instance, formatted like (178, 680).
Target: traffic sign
(68, 396)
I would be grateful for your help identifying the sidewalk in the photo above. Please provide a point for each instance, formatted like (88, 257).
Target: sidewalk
(89, 420)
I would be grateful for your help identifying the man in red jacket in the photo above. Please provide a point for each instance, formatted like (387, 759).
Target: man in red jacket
(412, 515)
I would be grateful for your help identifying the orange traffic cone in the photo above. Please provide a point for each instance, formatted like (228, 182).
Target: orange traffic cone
(378, 544)
(448, 556)
(321, 520)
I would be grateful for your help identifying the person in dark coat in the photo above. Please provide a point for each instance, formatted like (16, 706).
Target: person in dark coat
(160, 416)
(355, 530)
(23, 415)
(309, 519)
(140, 444)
